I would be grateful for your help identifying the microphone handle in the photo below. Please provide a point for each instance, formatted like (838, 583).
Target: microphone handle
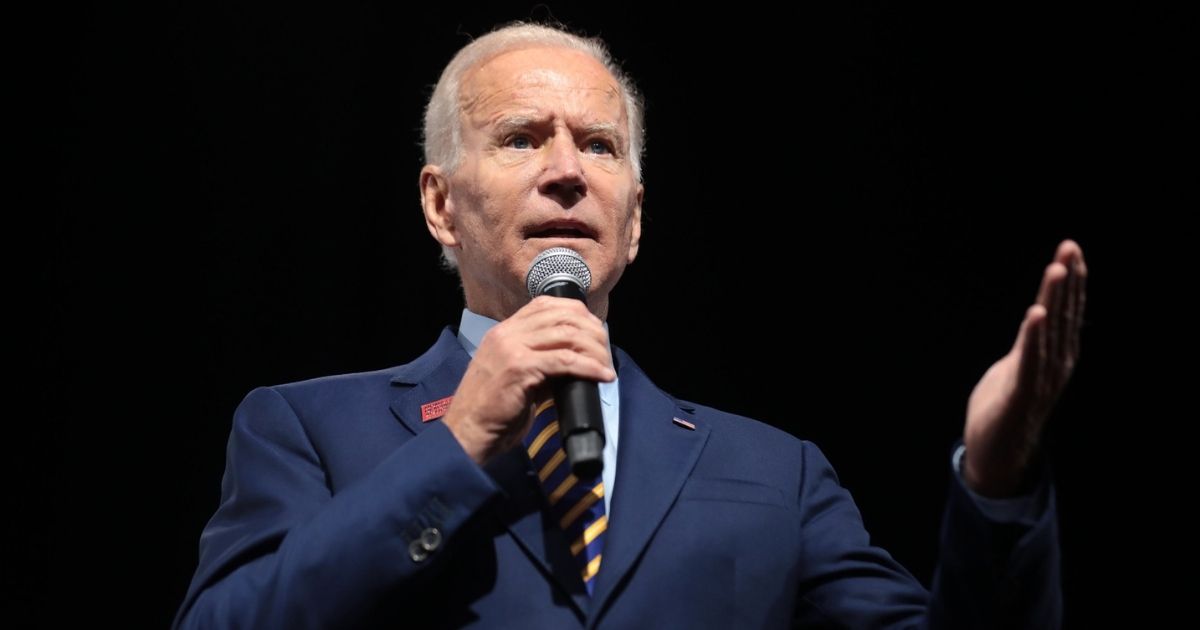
(580, 425)
(580, 421)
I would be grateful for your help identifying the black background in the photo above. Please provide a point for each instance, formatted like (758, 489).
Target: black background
(847, 213)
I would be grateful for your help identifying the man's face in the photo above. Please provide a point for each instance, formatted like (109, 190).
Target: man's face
(545, 164)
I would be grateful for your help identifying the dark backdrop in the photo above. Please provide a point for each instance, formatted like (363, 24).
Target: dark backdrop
(847, 213)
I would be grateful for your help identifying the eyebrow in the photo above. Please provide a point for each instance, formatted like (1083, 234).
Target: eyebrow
(515, 123)
(602, 128)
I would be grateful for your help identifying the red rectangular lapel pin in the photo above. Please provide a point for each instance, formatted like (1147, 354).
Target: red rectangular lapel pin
(436, 409)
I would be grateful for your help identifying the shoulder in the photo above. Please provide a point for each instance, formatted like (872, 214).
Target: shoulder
(337, 385)
(735, 426)
(754, 438)
(728, 430)
(317, 404)
(751, 449)
(367, 388)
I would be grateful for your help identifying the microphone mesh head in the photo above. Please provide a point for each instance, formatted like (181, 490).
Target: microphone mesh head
(557, 263)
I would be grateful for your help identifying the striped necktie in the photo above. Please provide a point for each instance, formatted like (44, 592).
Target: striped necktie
(577, 504)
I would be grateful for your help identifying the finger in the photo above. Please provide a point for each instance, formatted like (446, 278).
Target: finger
(1030, 342)
(549, 303)
(568, 363)
(1070, 323)
(1044, 340)
(1081, 274)
(1046, 288)
(569, 338)
(558, 315)
(562, 324)
(1063, 254)
(545, 308)
(525, 350)
(1068, 254)
(572, 313)
(1056, 325)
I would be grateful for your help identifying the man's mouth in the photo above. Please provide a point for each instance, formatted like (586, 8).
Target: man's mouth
(561, 229)
(559, 232)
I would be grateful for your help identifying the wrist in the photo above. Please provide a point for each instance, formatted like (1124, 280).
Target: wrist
(469, 438)
(994, 481)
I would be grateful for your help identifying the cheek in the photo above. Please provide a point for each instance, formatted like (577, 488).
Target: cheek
(498, 198)
(473, 209)
(488, 222)
(623, 214)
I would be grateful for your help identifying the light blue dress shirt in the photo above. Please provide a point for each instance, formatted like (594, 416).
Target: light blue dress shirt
(470, 333)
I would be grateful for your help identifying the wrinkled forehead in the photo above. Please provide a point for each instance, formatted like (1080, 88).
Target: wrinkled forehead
(533, 80)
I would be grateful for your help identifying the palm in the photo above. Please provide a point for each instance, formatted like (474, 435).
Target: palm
(1010, 404)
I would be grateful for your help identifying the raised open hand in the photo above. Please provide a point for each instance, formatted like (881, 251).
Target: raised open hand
(1010, 404)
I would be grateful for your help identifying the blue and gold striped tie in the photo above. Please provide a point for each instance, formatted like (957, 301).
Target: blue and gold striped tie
(577, 504)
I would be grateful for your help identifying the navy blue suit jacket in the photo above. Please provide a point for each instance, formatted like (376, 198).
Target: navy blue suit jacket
(732, 524)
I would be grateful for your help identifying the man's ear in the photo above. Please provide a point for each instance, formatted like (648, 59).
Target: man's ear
(439, 210)
(635, 227)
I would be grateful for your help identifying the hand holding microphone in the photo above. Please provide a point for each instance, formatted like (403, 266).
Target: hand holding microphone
(561, 272)
(542, 347)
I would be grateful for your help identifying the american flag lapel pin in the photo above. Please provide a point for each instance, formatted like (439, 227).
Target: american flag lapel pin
(684, 423)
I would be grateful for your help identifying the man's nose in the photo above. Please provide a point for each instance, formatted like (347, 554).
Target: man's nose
(562, 172)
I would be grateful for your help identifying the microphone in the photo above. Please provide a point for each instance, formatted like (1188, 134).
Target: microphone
(561, 272)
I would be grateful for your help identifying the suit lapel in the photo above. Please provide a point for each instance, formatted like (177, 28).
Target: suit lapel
(654, 460)
(431, 377)
(435, 376)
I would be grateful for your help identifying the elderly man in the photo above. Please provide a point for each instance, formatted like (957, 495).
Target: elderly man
(435, 494)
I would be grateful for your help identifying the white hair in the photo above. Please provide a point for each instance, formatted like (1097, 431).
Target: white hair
(443, 126)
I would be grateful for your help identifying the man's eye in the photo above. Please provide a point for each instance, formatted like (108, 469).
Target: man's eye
(599, 147)
(520, 142)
